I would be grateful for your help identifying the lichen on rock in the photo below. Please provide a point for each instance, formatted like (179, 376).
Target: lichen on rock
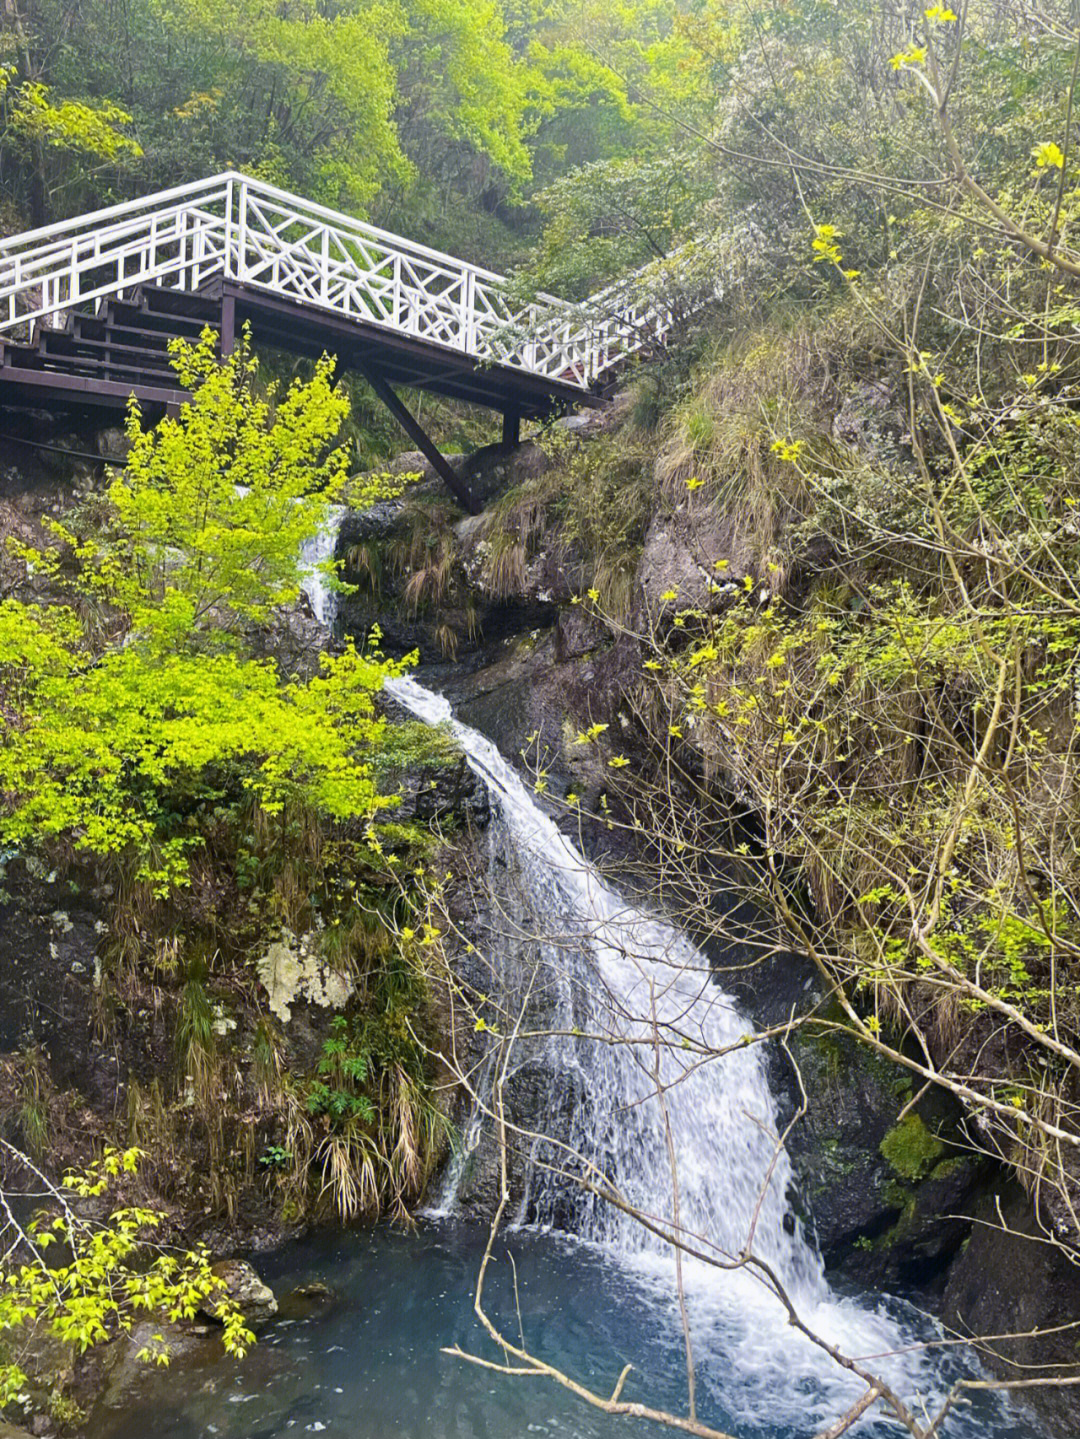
(292, 969)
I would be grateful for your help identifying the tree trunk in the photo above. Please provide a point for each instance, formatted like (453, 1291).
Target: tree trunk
(39, 200)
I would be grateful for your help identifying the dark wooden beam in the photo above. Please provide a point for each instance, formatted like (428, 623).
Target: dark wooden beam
(228, 326)
(404, 359)
(86, 390)
(511, 429)
(423, 441)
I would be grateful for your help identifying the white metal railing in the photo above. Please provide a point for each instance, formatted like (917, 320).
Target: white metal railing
(257, 235)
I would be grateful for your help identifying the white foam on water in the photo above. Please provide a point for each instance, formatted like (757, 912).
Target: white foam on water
(313, 553)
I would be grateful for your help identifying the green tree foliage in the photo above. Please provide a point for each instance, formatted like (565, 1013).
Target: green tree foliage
(137, 707)
(440, 117)
(83, 1281)
(346, 101)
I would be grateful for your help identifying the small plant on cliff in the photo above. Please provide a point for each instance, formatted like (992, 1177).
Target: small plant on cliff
(107, 1275)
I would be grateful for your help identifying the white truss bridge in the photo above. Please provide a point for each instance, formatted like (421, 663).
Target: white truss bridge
(240, 234)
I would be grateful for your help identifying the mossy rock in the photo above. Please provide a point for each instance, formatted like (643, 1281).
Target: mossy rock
(911, 1149)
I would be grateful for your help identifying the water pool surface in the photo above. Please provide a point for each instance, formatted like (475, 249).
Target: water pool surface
(368, 1364)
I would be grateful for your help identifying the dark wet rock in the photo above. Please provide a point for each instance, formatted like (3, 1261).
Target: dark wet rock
(933, 1222)
(188, 1345)
(307, 1301)
(438, 794)
(852, 1101)
(876, 1192)
(243, 1287)
(494, 469)
(578, 634)
(293, 639)
(50, 927)
(1010, 1278)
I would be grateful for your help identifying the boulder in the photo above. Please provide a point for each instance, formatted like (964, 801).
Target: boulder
(126, 1365)
(494, 469)
(679, 557)
(308, 1301)
(1011, 1278)
(254, 1299)
(888, 1201)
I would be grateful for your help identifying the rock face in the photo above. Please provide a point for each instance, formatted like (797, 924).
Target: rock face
(254, 1299)
(490, 471)
(681, 548)
(877, 1189)
(419, 568)
(450, 793)
(50, 929)
(292, 969)
(486, 473)
(1011, 1279)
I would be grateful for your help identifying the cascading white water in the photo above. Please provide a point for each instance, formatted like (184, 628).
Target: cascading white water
(634, 980)
(313, 554)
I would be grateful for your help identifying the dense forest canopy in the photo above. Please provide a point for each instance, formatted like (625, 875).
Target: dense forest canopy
(618, 130)
(417, 113)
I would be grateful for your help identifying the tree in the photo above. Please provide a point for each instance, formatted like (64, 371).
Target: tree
(38, 122)
(104, 1275)
(116, 741)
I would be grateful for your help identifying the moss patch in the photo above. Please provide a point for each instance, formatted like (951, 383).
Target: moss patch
(910, 1148)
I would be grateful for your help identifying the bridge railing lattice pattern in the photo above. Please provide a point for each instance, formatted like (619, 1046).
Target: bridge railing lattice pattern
(243, 230)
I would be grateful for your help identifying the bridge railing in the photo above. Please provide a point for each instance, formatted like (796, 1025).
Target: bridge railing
(245, 230)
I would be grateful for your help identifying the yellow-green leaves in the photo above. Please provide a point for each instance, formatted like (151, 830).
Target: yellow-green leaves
(69, 125)
(111, 1275)
(588, 735)
(118, 749)
(913, 55)
(824, 243)
(214, 505)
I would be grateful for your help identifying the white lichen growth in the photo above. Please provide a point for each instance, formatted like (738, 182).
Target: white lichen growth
(292, 970)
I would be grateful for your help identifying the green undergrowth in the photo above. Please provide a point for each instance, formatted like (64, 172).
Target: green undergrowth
(875, 674)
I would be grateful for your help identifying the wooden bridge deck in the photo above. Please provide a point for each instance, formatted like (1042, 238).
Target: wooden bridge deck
(99, 359)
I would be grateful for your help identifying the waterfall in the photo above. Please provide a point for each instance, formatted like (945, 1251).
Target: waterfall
(606, 968)
(314, 553)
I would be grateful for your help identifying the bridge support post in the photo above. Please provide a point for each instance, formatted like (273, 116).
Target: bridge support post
(228, 326)
(511, 429)
(422, 440)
